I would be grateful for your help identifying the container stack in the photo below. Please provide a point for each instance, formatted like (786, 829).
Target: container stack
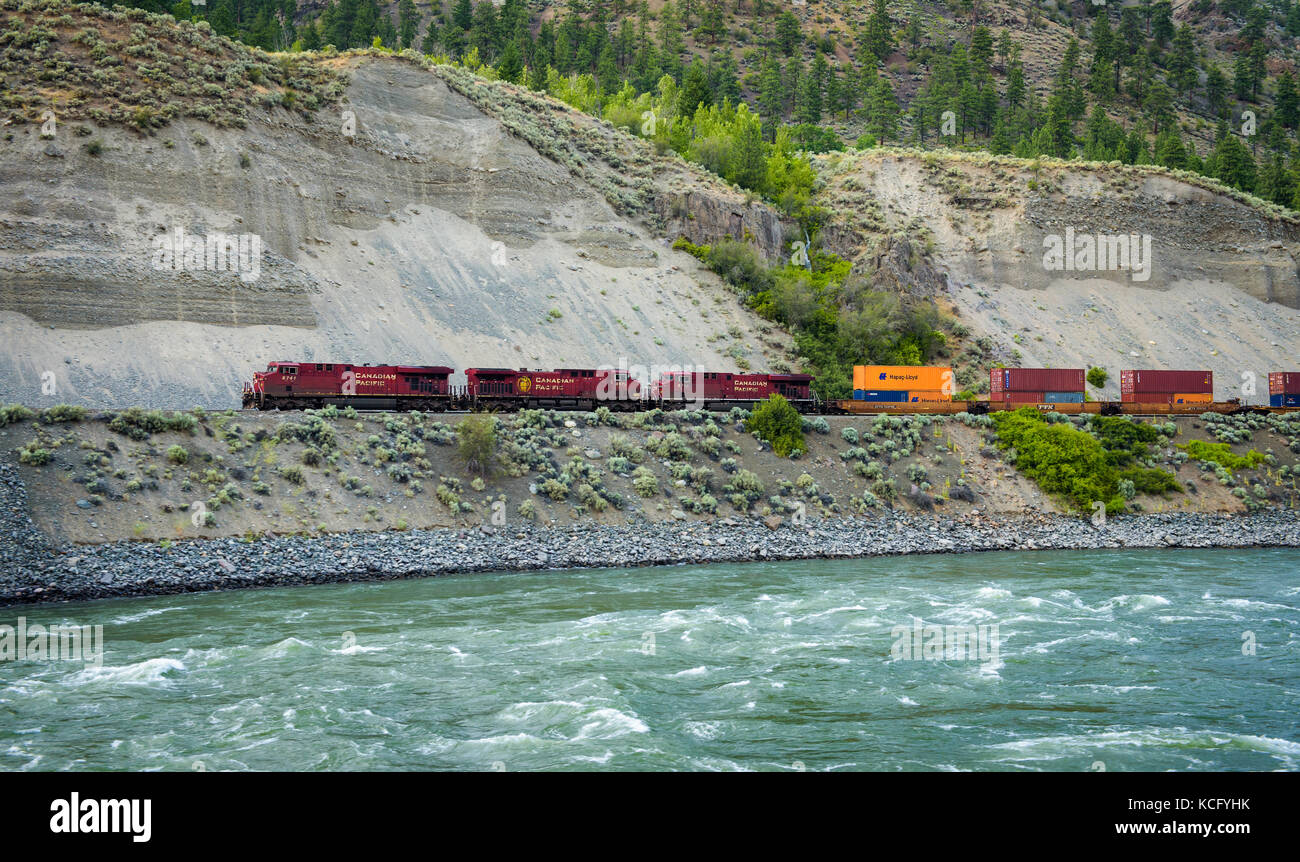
(1284, 389)
(902, 383)
(1166, 387)
(1012, 386)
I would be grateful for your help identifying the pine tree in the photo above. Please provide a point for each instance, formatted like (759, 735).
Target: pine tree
(1233, 164)
(463, 14)
(748, 157)
(770, 96)
(878, 37)
(884, 111)
(1216, 90)
(1287, 101)
(1170, 151)
(408, 19)
(694, 91)
(981, 50)
(1016, 83)
(711, 22)
(1162, 22)
(511, 65)
(1182, 61)
(1000, 143)
(788, 34)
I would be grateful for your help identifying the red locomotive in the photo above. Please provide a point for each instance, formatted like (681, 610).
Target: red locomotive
(297, 385)
(717, 390)
(572, 388)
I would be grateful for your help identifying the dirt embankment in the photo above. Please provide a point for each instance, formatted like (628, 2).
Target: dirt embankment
(245, 474)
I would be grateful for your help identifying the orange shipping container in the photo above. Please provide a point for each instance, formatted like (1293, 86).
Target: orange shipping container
(914, 396)
(926, 378)
(1193, 398)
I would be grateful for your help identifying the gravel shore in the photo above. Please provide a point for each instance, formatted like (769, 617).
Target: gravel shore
(31, 571)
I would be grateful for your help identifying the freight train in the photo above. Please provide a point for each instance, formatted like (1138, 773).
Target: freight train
(299, 385)
(877, 389)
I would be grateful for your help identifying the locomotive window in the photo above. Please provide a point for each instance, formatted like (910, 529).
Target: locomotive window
(329, 367)
(319, 367)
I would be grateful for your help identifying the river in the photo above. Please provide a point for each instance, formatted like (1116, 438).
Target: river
(1114, 660)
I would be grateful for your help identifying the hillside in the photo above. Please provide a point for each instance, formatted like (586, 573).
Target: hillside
(1221, 293)
(429, 234)
(100, 478)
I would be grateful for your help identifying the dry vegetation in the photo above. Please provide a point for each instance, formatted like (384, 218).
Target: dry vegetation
(129, 67)
(155, 476)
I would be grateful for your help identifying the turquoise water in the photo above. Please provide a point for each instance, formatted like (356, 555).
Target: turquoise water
(1114, 660)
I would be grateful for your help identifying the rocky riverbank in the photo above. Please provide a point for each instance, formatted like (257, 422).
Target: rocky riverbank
(35, 573)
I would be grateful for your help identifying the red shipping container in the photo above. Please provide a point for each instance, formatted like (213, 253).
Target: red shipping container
(1036, 380)
(1018, 398)
(1131, 381)
(1284, 383)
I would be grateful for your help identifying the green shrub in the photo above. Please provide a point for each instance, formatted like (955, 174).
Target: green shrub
(1074, 465)
(777, 422)
(178, 454)
(644, 482)
(1219, 453)
(1097, 377)
(477, 442)
(13, 413)
(63, 413)
(34, 454)
(555, 489)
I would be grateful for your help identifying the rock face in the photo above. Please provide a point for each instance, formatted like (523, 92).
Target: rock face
(706, 216)
(1222, 290)
(417, 227)
(899, 265)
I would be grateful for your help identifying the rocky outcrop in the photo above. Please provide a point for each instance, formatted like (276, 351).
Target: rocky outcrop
(899, 265)
(706, 216)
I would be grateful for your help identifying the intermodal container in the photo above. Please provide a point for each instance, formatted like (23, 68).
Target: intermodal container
(1036, 380)
(1167, 397)
(1283, 399)
(1168, 382)
(924, 395)
(1062, 397)
(879, 394)
(1018, 398)
(1283, 383)
(921, 377)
